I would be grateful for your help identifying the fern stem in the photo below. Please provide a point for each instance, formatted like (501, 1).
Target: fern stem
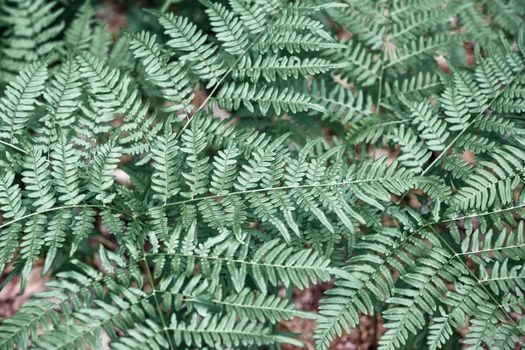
(12, 146)
(165, 6)
(277, 188)
(491, 249)
(384, 55)
(483, 214)
(501, 279)
(79, 206)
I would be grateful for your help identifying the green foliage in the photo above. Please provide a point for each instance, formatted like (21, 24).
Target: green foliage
(177, 183)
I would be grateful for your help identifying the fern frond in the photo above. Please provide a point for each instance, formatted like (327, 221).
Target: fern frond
(196, 178)
(412, 303)
(505, 15)
(9, 243)
(414, 87)
(32, 35)
(61, 98)
(253, 17)
(291, 22)
(455, 108)
(415, 154)
(361, 66)
(31, 244)
(228, 28)
(10, 197)
(463, 301)
(65, 161)
(149, 335)
(55, 236)
(79, 34)
(483, 327)
(431, 129)
(496, 182)
(414, 51)
(82, 226)
(231, 96)
(105, 160)
(258, 147)
(271, 68)
(21, 95)
(368, 277)
(494, 246)
(272, 263)
(202, 57)
(341, 104)
(169, 77)
(164, 181)
(224, 332)
(224, 171)
(503, 278)
(371, 129)
(100, 41)
(37, 180)
(293, 42)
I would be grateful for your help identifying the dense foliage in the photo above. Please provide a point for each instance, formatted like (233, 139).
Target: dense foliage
(269, 145)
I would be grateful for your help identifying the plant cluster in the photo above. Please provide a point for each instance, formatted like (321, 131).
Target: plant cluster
(269, 145)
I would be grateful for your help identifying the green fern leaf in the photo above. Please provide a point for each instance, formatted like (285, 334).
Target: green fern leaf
(20, 98)
(231, 97)
(105, 161)
(37, 180)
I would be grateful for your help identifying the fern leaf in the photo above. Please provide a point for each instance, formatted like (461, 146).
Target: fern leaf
(61, 98)
(423, 84)
(105, 161)
(169, 77)
(231, 97)
(37, 180)
(55, 237)
(414, 302)
(431, 129)
(456, 108)
(462, 301)
(164, 181)
(224, 171)
(253, 17)
(369, 277)
(196, 178)
(9, 243)
(228, 28)
(32, 243)
(415, 155)
(65, 161)
(21, 95)
(273, 67)
(341, 104)
(79, 34)
(293, 42)
(82, 226)
(32, 34)
(225, 332)
(186, 37)
(10, 197)
(362, 68)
